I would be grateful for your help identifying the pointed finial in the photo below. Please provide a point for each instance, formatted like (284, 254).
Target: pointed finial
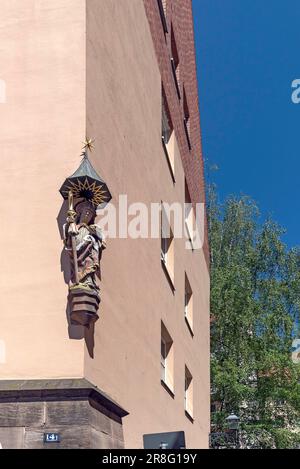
(88, 144)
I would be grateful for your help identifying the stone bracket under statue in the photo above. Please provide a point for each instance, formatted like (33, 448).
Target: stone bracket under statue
(84, 305)
(83, 239)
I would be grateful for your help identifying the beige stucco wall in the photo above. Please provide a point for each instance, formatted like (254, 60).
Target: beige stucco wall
(124, 115)
(42, 124)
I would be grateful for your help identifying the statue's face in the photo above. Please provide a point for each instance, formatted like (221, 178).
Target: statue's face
(86, 215)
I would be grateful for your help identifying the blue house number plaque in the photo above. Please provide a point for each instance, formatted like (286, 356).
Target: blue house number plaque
(51, 438)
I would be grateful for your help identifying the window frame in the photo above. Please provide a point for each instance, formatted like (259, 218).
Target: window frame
(188, 305)
(188, 394)
(167, 135)
(163, 358)
(162, 13)
(167, 248)
(189, 215)
(187, 120)
(175, 63)
(167, 361)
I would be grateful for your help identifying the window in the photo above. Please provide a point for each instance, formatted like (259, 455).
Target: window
(189, 218)
(163, 359)
(188, 393)
(166, 124)
(167, 134)
(162, 6)
(167, 359)
(188, 304)
(164, 249)
(167, 247)
(175, 63)
(186, 120)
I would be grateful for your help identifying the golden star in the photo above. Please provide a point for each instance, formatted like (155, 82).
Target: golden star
(88, 144)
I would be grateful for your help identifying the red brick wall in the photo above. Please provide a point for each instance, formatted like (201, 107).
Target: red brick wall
(179, 14)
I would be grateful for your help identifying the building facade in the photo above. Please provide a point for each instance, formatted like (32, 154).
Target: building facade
(124, 73)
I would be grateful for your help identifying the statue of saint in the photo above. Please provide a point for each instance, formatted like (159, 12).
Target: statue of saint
(84, 238)
(89, 245)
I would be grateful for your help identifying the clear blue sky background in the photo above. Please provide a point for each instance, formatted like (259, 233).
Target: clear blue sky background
(248, 53)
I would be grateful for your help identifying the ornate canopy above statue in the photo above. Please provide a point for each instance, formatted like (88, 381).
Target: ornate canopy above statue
(86, 183)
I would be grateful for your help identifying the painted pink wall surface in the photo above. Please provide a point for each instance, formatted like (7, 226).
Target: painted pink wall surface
(124, 115)
(42, 52)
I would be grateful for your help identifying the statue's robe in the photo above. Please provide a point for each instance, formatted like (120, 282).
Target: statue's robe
(89, 245)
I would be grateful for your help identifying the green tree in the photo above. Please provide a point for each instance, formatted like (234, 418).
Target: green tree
(255, 307)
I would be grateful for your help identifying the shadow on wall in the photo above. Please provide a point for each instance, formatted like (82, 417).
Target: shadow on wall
(76, 332)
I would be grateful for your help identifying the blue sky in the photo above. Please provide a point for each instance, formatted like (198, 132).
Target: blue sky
(248, 54)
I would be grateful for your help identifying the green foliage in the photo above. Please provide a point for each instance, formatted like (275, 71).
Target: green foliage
(258, 437)
(268, 436)
(255, 303)
(285, 439)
